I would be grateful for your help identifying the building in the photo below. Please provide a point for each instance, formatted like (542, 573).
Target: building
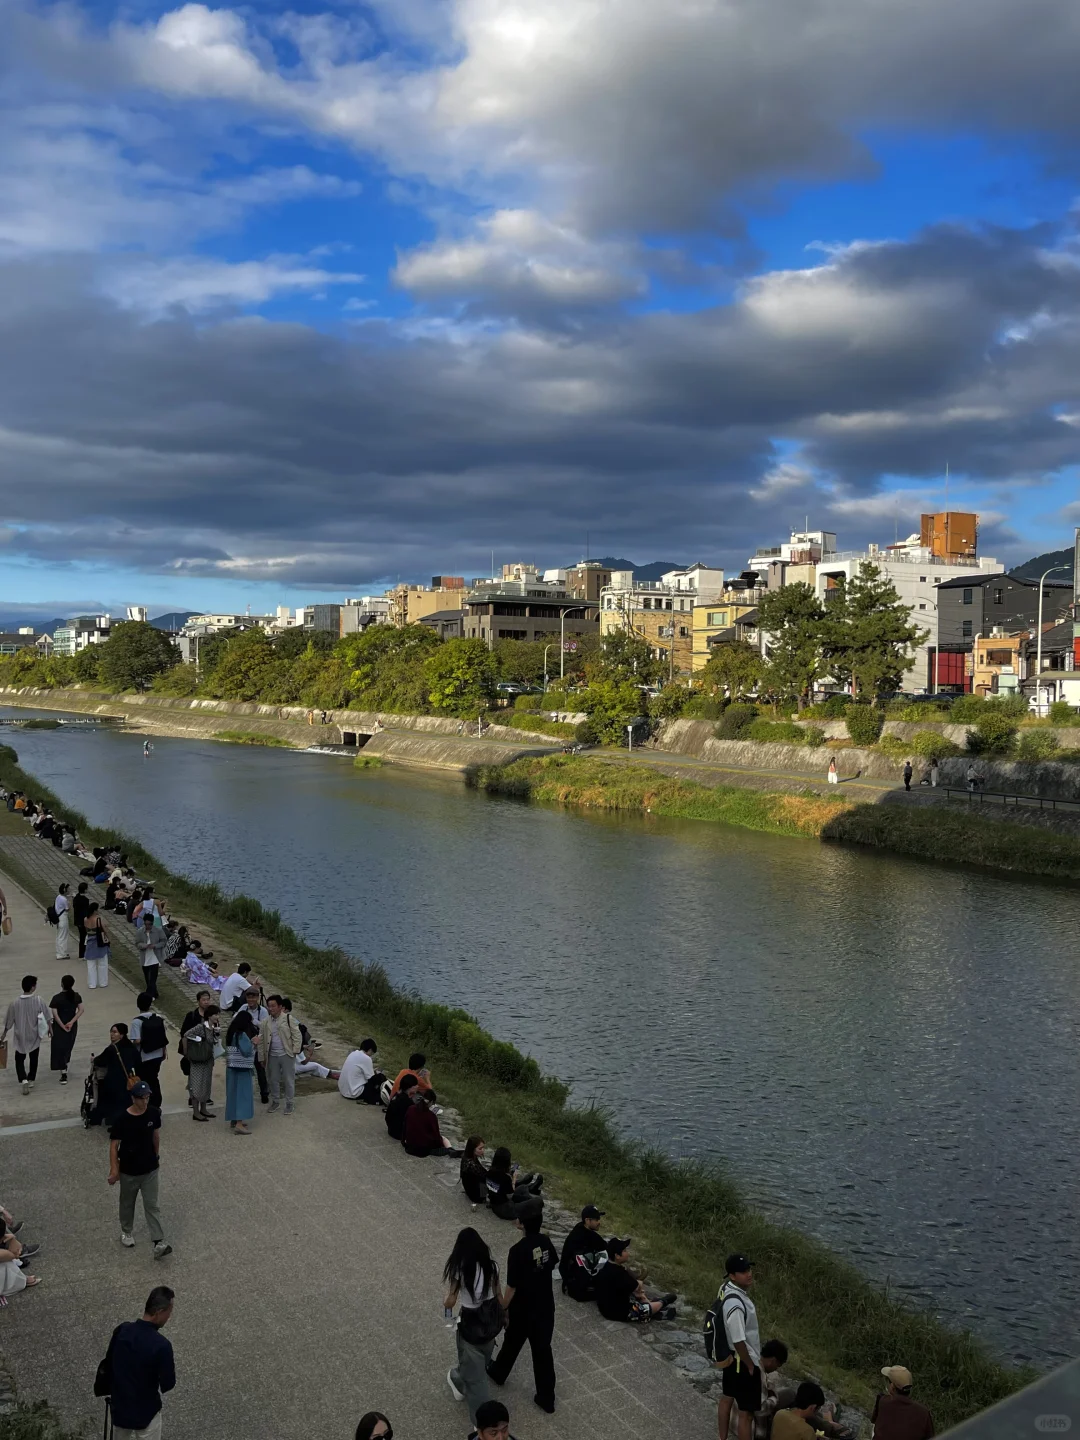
(77, 633)
(917, 575)
(732, 617)
(25, 638)
(324, 617)
(586, 580)
(973, 606)
(997, 663)
(793, 562)
(137, 613)
(518, 570)
(950, 535)
(447, 624)
(1058, 677)
(357, 614)
(408, 604)
(521, 610)
(660, 612)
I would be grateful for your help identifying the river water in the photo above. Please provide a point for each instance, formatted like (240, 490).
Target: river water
(882, 1052)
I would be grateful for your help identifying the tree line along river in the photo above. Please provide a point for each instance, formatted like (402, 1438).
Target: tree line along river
(882, 1052)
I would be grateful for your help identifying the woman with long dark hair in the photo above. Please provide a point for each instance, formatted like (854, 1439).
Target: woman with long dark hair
(239, 1066)
(507, 1187)
(473, 1278)
(66, 1006)
(374, 1426)
(97, 948)
(116, 1069)
(474, 1175)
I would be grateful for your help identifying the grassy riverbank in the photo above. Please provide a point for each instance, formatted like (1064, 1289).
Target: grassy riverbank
(251, 737)
(685, 1218)
(934, 833)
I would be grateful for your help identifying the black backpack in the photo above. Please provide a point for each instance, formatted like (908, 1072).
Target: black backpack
(714, 1331)
(152, 1036)
(51, 915)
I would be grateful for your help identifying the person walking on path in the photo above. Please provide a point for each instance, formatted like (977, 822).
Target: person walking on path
(258, 1013)
(240, 1042)
(834, 774)
(150, 942)
(742, 1378)
(530, 1305)
(62, 908)
(198, 1045)
(908, 772)
(141, 1369)
(5, 922)
(473, 1278)
(79, 907)
(29, 1017)
(935, 772)
(134, 1142)
(97, 949)
(147, 1031)
(279, 1044)
(66, 1006)
(896, 1416)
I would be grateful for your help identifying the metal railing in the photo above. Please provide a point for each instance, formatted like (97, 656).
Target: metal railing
(997, 797)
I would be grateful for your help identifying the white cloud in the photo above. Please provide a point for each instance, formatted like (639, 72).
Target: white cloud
(198, 284)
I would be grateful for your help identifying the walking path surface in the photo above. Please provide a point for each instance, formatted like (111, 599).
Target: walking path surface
(307, 1262)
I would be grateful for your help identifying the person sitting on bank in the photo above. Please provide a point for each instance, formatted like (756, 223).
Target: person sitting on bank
(473, 1171)
(799, 1421)
(358, 1079)
(235, 987)
(507, 1187)
(422, 1136)
(399, 1107)
(896, 1416)
(416, 1067)
(584, 1255)
(620, 1295)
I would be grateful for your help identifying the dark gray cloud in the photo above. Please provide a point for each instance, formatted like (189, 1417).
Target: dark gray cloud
(244, 448)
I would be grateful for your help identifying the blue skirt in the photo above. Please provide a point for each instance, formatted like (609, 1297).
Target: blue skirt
(239, 1096)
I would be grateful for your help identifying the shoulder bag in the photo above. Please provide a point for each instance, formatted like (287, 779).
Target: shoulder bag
(131, 1078)
(42, 1024)
(481, 1325)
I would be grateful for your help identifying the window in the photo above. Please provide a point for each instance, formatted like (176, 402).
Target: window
(513, 634)
(999, 597)
(922, 607)
(922, 579)
(646, 604)
(717, 617)
(683, 631)
(967, 596)
(967, 629)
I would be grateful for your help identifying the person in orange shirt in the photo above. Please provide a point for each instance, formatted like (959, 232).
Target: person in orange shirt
(417, 1066)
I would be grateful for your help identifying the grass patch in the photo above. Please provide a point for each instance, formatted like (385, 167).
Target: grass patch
(539, 724)
(37, 1421)
(368, 762)
(251, 737)
(685, 1217)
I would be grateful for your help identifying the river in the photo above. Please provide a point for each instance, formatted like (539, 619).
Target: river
(882, 1052)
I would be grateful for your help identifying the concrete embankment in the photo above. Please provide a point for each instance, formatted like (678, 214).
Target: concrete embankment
(424, 741)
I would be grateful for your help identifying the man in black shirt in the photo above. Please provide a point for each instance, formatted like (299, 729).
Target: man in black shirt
(134, 1140)
(620, 1295)
(398, 1108)
(141, 1369)
(584, 1254)
(530, 1303)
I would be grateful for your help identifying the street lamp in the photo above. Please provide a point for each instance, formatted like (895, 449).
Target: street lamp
(562, 636)
(547, 647)
(1038, 642)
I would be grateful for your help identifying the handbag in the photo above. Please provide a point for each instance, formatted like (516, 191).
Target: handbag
(482, 1325)
(131, 1078)
(42, 1025)
(5, 924)
(198, 1046)
(3, 1054)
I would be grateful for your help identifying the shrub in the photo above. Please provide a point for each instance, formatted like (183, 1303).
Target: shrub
(539, 724)
(813, 735)
(670, 702)
(974, 707)
(1062, 713)
(1038, 745)
(925, 746)
(995, 733)
(864, 723)
(833, 707)
(774, 732)
(703, 707)
(529, 702)
(734, 720)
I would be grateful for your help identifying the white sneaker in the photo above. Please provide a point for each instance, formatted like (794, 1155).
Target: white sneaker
(457, 1394)
(26, 1087)
(126, 1239)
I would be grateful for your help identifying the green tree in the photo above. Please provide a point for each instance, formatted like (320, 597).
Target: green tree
(622, 656)
(792, 620)
(133, 654)
(460, 676)
(386, 667)
(609, 704)
(86, 665)
(181, 680)
(734, 667)
(523, 660)
(297, 641)
(248, 670)
(869, 634)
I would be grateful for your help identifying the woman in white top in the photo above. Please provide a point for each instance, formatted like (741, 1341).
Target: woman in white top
(473, 1278)
(834, 774)
(62, 906)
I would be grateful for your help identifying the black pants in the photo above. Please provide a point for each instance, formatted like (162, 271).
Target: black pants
(82, 941)
(537, 1329)
(21, 1070)
(149, 1071)
(370, 1093)
(260, 1075)
(150, 974)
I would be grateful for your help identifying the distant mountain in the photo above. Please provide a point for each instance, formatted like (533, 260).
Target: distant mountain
(13, 620)
(175, 620)
(1032, 569)
(652, 571)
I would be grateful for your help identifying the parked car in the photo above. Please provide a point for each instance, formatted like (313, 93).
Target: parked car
(511, 687)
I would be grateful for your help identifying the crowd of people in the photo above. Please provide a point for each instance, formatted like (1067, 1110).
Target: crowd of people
(494, 1311)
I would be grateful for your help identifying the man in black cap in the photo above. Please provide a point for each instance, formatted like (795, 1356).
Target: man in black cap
(620, 1295)
(584, 1253)
(742, 1375)
(134, 1140)
(530, 1304)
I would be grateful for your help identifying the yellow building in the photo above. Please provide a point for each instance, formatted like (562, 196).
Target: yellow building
(712, 620)
(410, 603)
(995, 663)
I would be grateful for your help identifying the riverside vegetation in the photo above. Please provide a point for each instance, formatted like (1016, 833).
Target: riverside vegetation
(687, 1217)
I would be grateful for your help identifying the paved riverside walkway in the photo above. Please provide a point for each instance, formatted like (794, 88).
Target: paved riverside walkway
(307, 1263)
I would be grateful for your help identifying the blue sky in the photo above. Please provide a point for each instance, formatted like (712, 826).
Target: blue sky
(293, 302)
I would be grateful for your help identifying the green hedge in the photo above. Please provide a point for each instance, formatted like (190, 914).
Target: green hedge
(864, 723)
(783, 732)
(735, 720)
(925, 745)
(529, 702)
(540, 724)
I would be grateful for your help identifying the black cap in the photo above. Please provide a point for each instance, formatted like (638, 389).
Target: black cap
(615, 1246)
(592, 1213)
(737, 1264)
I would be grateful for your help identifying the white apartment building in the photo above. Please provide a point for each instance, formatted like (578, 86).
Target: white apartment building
(915, 572)
(79, 632)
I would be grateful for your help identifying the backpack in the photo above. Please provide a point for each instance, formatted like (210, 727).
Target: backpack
(152, 1036)
(714, 1331)
(51, 916)
(103, 1378)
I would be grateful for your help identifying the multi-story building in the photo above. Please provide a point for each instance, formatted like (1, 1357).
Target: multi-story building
(410, 603)
(447, 624)
(25, 638)
(731, 617)
(970, 607)
(526, 610)
(586, 580)
(80, 631)
(794, 561)
(997, 663)
(660, 612)
(360, 612)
